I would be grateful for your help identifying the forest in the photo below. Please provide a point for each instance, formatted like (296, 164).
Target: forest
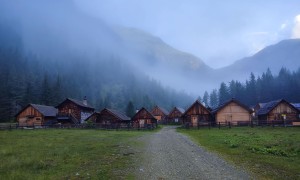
(106, 81)
(264, 88)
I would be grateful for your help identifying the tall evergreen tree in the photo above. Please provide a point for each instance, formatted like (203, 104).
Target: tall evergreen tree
(223, 93)
(213, 99)
(206, 98)
(130, 111)
(46, 96)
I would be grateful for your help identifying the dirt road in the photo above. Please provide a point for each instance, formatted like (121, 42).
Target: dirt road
(171, 155)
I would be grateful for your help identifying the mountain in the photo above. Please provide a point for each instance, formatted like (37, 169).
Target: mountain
(283, 54)
(47, 56)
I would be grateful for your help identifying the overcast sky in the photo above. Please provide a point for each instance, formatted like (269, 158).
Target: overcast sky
(219, 32)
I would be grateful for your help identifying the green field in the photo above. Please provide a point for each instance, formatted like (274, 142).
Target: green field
(269, 153)
(67, 154)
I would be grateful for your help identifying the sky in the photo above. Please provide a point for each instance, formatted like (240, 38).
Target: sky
(218, 32)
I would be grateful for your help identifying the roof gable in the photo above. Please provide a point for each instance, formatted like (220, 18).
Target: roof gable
(268, 107)
(150, 115)
(231, 101)
(77, 102)
(197, 102)
(47, 111)
(181, 110)
(120, 115)
(164, 111)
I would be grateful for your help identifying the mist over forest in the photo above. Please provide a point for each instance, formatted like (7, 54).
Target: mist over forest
(51, 50)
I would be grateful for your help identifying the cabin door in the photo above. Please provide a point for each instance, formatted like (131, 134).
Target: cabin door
(194, 120)
(142, 123)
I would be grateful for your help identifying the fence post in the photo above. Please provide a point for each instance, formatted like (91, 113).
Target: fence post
(229, 125)
(219, 125)
(252, 123)
(208, 125)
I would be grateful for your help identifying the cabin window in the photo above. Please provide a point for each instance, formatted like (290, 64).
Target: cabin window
(70, 111)
(176, 120)
(38, 119)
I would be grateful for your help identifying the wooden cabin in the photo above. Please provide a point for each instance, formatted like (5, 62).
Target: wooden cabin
(279, 111)
(234, 112)
(36, 115)
(144, 119)
(175, 116)
(196, 114)
(110, 118)
(72, 111)
(160, 114)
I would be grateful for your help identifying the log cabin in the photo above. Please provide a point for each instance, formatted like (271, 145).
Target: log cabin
(144, 119)
(278, 112)
(234, 112)
(160, 114)
(175, 116)
(36, 115)
(110, 118)
(196, 114)
(72, 111)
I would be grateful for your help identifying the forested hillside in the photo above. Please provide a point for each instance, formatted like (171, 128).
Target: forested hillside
(107, 82)
(264, 88)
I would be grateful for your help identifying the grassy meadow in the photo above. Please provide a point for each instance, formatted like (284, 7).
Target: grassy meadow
(67, 154)
(269, 153)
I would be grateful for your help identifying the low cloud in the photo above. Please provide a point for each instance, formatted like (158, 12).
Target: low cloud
(296, 29)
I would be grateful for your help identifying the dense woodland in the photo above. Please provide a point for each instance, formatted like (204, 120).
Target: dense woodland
(264, 88)
(106, 81)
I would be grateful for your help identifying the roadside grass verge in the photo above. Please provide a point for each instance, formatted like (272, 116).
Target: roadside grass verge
(68, 154)
(269, 153)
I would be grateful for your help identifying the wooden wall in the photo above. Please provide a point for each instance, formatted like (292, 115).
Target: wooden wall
(283, 108)
(30, 117)
(158, 114)
(197, 113)
(233, 113)
(175, 114)
(142, 118)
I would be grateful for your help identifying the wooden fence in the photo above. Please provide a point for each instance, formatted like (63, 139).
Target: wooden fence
(231, 124)
(80, 126)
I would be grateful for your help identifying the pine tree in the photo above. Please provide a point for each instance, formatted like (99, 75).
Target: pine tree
(213, 99)
(223, 93)
(46, 98)
(130, 109)
(205, 98)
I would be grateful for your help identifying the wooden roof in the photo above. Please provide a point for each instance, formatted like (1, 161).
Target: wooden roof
(228, 102)
(147, 112)
(164, 111)
(178, 109)
(77, 102)
(268, 107)
(47, 111)
(119, 115)
(197, 102)
(296, 105)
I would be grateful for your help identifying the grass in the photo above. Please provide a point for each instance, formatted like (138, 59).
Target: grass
(67, 154)
(269, 153)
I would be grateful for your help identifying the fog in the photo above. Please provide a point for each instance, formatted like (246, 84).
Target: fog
(148, 37)
(219, 32)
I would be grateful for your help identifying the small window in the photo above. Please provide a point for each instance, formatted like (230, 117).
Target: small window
(38, 119)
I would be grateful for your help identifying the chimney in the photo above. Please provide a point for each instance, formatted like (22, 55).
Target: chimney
(84, 101)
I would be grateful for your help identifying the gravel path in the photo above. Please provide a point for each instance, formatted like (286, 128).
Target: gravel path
(171, 155)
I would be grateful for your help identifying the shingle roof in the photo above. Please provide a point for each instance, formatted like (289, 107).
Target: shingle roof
(48, 111)
(163, 110)
(296, 105)
(78, 102)
(228, 102)
(118, 114)
(180, 109)
(152, 116)
(196, 102)
(270, 106)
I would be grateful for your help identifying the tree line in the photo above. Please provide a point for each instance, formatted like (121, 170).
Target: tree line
(264, 88)
(106, 81)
